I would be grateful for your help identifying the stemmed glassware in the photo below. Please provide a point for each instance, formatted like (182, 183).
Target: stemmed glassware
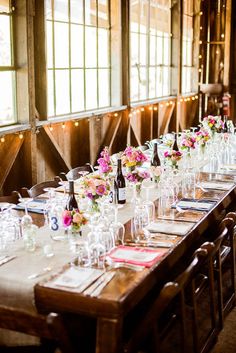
(26, 219)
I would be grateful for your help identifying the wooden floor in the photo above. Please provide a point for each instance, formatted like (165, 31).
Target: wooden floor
(227, 338)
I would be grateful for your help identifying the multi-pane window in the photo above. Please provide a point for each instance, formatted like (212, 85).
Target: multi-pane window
(150, 49)
(187, 46)
(7, 70)
(78, 55)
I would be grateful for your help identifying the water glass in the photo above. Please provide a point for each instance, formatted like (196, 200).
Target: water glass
(189, 185)
(140, 222)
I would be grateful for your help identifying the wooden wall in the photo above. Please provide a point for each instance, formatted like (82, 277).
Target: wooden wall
(40, 155)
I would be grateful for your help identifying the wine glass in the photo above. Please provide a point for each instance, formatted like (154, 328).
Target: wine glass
(26, 219)
(148, 185)
(140, 221)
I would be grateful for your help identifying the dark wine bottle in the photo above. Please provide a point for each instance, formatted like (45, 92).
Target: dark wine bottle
(155, 161)
(119, 185)
(225, 124)
(71, 202)
(175, 146)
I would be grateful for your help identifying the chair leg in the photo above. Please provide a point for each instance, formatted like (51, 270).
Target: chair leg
(59, 333)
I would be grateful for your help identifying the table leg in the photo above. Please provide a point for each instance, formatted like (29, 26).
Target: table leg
(109, 335)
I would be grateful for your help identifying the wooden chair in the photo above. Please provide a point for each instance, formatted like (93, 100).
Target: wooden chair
(50, 329)
(225, 262)
(38, 189)
(13, 198)
(149, 331)
(73, 174)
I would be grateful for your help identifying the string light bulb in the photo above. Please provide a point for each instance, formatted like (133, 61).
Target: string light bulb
(76, 123)
(50, 128)
(2, 139)
(142, 109)
(63, 126)
(116, 114)
(21, 135)
(130, 115)
(155, 108)
(150, 108)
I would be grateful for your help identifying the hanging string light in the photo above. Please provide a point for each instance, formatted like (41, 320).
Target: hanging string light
(2, 139)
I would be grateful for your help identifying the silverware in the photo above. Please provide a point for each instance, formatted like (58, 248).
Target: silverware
(6, 258)
(103, 280)
(102, 285)
(41, 273)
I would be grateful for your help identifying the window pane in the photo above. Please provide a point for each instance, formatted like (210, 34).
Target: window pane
(62, 92)
(7, 98)
(166, 81)
(159, 50)
(77, 46)
(90, 12)
(5, 41)
(76, 11)
(134, 17)
(77, 88)
(49, 45)
(61, 45)
(159, 82)
(166, 58)
(4, 6)
(144, 9)
(134, 48)
(152, 50)
(48, 9)
(103, 45)
(152, 83)
(143, 84)
(91, 88)
(104, 91)
(143, 49)
(51, 111)
(103, 18)
(134, 82)
(60, 10)
(91, 47)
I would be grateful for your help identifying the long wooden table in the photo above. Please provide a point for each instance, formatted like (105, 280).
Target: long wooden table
(129, 290)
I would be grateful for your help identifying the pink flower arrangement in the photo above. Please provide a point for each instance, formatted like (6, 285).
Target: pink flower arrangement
(94, 186)
(213, 123)
(188, 142)
(104, 162)
(137, 176)
(173, 157)
(202, 136)
(133, 157)
(74, 218)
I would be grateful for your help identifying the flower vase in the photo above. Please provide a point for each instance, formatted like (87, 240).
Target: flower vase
(74, 237)
(95, 208)
(136, 193)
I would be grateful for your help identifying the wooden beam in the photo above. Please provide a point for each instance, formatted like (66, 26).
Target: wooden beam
(9, 158)
(55, 148)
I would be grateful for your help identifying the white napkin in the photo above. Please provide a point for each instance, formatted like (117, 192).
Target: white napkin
(170, 227)
(77, 278)
(195, 205)
(217, 186)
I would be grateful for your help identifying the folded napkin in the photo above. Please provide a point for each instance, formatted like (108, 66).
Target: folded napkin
(192, 204)
(170, 227)
(76, 278)
(217, 185)
(35, 206)
(136, 255)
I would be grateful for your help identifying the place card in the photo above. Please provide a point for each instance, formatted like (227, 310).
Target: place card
(78, 278)
(217, 185)
(170, 227)
(136, 255)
